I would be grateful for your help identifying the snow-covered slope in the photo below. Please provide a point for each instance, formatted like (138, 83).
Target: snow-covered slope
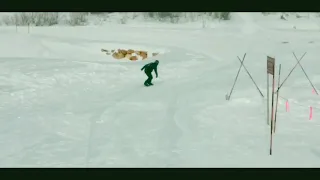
(66, 104)
(292, 22)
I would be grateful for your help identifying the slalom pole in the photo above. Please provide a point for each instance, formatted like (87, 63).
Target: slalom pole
(237, 76)
(275, 118)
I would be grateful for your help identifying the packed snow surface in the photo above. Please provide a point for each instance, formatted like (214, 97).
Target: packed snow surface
(63, 103)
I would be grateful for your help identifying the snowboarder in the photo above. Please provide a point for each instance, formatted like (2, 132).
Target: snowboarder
(148, 68)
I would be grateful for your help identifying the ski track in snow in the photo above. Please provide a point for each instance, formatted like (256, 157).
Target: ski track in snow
(63, 104)
(172, 127)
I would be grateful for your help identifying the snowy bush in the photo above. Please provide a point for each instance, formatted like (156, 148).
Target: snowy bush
(163, 16)
(98, 13)
(187, 16)
(266, 13)
(17, 19)
(8, 20)
(223, 15)
(35, 18)
(78, 19)
(123, 20)
(44, 19)
(98, 18)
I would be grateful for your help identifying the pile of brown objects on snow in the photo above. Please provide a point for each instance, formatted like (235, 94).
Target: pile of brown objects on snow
(129, 54)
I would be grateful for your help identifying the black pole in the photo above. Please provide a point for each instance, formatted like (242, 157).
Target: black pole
(305, 74)
(275, 118)
(291, 71)
(272, 111)
(234, 83)
(251, 77)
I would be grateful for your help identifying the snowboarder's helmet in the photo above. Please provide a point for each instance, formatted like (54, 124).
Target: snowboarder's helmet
(157, 62)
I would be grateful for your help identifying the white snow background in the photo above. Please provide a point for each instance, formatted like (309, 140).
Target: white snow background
(63, 103)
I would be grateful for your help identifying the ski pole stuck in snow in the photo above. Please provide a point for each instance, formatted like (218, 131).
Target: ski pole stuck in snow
(291, 71)
(250, 77)
(234, 83)
(305, 73)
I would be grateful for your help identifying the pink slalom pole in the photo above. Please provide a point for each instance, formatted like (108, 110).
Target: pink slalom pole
(313, 91)
(287, 106)
(310, 115)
